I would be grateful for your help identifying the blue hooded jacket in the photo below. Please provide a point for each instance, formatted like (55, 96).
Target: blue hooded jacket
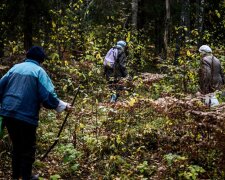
(23, 89)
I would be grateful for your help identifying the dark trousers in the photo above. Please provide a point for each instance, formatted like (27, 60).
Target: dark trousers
(109, 73)
(113, 83)
(23, 136)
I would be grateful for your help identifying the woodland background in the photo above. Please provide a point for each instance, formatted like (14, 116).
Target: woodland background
(159, 129)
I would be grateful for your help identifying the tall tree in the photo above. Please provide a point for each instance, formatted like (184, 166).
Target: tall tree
(184, 29)
(200, 19)
(167, 26)
(35, 18)
(159, 23)
(134, 13)
(10, 20)
(28, 25)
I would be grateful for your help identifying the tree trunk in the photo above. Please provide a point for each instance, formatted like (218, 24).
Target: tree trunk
(167, 26)
(159, 39)
(28, 26)
(134, 13)
(200, 19)
(185, 28)
(185, 16)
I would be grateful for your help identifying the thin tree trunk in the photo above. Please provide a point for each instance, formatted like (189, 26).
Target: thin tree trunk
(159, 38)
(185, 24)
(28, 26)
(200, 19)
(134, 13)
(167, 25)
(185, 16)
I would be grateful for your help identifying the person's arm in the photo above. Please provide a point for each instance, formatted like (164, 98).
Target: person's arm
(47, 94)
(3, 82)
(222, 75)
(122, 60)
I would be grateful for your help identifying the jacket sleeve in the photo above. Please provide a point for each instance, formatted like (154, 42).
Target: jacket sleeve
(222, 75)
(46, 91)
(122, 60)
(3, 83)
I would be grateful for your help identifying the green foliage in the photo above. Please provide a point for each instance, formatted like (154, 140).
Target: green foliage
(192, 172)
(179, 167)
(55, 177)
(173, 158)
(143, 167)
(70, 156)
(129, 139)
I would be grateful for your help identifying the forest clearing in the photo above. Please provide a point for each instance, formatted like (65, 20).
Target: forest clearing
(160, 127)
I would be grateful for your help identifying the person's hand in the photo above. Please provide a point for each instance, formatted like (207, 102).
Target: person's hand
(69, 108)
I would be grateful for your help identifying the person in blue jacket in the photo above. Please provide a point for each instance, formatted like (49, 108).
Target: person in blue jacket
(23, 89)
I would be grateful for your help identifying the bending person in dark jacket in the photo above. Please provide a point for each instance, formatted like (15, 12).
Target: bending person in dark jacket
(115, 62)
(115, 66)
(22, 90)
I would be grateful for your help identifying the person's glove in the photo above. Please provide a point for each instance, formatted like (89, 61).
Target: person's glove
(69, 108)
(64, 106)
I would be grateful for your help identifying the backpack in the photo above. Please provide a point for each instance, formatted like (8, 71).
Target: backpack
(111, 57)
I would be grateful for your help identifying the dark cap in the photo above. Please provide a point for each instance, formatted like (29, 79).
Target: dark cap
(36, 53)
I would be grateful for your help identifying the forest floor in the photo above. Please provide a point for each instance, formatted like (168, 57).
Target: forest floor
(87, 122)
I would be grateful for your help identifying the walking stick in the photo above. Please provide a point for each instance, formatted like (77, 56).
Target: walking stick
(64, 122)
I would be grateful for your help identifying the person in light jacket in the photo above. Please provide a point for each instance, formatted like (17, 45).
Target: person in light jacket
(211, 76)
(115, 62)
(23, 89)
(115, 67)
